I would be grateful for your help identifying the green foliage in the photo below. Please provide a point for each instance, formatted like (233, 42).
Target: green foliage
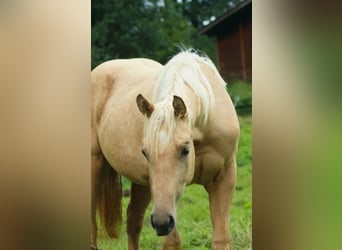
(153, 29)
(198, 11)
(140, 28)
(193, 210)
(241, 94)
(124, 30)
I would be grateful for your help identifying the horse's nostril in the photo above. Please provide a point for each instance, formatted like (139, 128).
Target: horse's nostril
(171, 223)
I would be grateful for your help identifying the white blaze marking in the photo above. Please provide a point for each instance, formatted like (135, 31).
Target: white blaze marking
(162, 137)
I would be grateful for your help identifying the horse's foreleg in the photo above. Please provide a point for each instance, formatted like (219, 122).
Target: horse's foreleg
(140, 198)
(220, 193)
(96, 180)
(172, 241)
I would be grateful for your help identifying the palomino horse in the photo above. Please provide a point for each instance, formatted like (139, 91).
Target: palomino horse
(162, 127)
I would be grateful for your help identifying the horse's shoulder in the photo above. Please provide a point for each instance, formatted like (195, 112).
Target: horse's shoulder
(102, 85)
(225, 128)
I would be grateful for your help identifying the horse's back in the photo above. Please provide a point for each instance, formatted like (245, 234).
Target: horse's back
(117, 125)
(116, 76)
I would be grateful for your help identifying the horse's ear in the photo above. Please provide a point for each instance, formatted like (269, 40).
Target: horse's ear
(179, 107)
(145, 107)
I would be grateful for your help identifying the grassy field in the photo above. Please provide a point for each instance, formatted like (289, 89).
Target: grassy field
(193, 210)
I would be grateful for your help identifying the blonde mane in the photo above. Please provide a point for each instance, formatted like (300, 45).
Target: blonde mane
(181, 72)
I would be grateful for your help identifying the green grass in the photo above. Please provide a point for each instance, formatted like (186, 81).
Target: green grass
(194, 223)
(241, 94)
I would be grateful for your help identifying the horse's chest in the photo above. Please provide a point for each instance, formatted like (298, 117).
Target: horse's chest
(207, 164)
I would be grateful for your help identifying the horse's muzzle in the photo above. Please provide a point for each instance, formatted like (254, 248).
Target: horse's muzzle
(163, 225)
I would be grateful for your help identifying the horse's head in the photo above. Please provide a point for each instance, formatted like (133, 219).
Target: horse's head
(168, 147)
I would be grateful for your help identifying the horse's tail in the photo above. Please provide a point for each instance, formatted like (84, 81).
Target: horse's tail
(109, 203)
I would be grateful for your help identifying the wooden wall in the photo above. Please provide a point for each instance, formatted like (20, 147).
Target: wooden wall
(234, 45)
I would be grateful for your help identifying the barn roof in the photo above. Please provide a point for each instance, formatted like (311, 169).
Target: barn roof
(230, 14)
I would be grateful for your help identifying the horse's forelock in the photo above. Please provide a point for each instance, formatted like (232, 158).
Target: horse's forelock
(184, 69)
(161, 120)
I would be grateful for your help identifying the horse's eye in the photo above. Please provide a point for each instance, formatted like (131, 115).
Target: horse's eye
(185, 151)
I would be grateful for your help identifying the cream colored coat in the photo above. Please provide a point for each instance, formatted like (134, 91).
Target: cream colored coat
(118, 134)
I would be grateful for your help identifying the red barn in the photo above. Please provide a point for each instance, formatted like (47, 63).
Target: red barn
(233, 33)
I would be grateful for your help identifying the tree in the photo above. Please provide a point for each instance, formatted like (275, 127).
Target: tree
(198, 11)
(145, 28)
(122, 29)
